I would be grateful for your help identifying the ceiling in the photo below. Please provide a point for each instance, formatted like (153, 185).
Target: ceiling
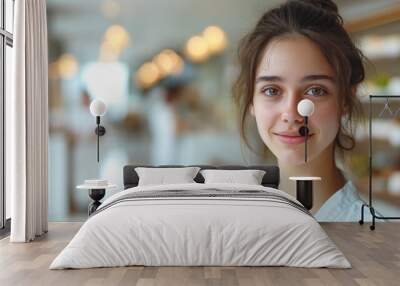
(77, 27)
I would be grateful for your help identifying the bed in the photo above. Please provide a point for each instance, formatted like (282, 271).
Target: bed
(201, 224)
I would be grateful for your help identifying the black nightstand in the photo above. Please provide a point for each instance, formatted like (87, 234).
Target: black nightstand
(96, 193)
(304, 190)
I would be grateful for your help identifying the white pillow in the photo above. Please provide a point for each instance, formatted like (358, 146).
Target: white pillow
(162, 176)
(249, 177)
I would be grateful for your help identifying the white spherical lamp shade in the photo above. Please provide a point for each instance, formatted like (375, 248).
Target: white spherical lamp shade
(98, 107)
(305, 107)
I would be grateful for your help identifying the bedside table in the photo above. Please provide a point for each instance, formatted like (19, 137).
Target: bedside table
(304, 190)
(96, 193)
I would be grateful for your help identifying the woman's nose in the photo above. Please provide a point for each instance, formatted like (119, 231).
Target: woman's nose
(290, 114)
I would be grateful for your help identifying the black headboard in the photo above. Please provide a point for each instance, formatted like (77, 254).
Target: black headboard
(270, 179)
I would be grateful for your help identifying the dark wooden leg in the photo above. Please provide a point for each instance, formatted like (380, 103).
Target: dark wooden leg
(96, 195)
(304, 193)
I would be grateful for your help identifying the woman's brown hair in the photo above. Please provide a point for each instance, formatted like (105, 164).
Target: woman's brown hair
(319, 21)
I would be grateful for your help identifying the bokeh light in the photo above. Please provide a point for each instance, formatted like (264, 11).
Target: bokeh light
(216, 39)
(168, 63)
(116, 39)
(110, 8)
(147, 75)
(197, 49)
(67, 66)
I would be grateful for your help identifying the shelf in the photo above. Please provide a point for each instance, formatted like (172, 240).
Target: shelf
(385, 60)
(383, 195)
(365, 99)
(387, 197)
(379, 18)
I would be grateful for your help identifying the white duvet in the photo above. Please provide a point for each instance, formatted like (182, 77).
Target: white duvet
(200, 231)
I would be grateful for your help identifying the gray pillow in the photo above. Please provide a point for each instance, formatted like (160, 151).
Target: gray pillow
(248, 177)
(162, 176)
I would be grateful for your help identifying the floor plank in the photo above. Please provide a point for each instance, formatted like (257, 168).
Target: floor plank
(374, 255)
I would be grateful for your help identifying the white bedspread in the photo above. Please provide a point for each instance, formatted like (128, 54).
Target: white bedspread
(200, 231)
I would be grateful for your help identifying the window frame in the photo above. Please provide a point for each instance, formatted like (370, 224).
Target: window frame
(6, 39)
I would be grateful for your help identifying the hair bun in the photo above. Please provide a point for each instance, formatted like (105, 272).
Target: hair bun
(327, 5)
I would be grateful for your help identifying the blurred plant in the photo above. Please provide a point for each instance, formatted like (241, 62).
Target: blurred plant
(381, 80)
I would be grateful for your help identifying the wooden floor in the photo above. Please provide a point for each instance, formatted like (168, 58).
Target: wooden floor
(374, 255)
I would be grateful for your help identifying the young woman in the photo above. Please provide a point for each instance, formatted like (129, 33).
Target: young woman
(297, 51)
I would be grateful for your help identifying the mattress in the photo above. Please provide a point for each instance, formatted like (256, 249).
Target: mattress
(201, 225)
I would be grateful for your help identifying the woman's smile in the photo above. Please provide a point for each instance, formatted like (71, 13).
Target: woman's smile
(292, 139)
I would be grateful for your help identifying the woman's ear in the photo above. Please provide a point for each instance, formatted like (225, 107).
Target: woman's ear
(346, 108)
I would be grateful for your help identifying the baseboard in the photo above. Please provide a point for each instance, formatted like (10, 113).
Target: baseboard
(5, 231)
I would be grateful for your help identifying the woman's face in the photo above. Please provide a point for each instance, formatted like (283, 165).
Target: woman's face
(293, 68)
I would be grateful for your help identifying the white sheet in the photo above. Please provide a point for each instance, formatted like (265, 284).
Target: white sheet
(200, 231)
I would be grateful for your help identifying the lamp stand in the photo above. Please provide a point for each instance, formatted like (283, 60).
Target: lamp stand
(100, 131)
(304, 132)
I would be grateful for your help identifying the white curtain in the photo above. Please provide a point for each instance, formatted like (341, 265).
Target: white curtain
(27, 123)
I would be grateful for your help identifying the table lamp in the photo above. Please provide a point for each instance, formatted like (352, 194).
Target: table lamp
(305, 109)
(304, 185)
(98, 108)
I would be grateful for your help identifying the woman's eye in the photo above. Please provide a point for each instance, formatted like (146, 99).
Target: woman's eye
(316, 91)
(270, 91)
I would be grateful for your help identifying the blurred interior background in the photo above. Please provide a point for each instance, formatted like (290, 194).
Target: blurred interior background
(165, 70)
